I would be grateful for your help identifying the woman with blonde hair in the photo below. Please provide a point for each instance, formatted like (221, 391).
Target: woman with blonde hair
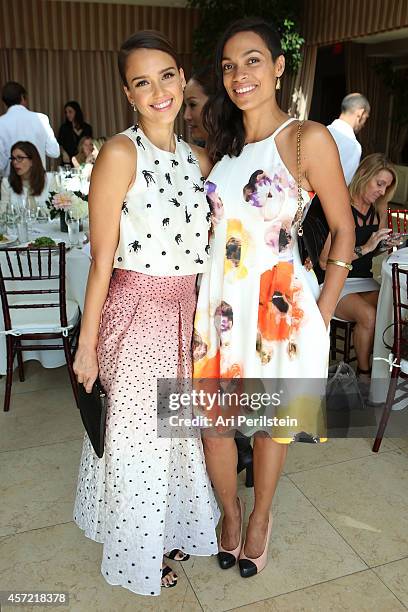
(86, 152)
(372, 187)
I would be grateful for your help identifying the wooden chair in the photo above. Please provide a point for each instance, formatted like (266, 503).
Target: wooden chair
(400, 217)
(399, 350)
(34, 279)
(337, 326)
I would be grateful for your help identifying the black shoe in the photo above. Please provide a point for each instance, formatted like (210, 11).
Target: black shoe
(245, 458)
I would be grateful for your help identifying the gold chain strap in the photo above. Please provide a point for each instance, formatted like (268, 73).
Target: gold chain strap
(299, 213)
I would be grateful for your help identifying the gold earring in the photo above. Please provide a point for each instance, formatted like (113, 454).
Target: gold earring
(278, 83)
(133, 105)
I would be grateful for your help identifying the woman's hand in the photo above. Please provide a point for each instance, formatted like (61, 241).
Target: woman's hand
(86, 367)
(375, 239)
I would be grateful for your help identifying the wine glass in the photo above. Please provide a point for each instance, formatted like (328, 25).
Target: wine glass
(11, 217)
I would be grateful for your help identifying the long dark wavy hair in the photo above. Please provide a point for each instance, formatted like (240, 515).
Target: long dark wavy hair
(79, 116)
(37, 174)
(221, 118)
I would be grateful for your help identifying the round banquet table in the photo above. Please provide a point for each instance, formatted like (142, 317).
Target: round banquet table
(77, 268)
(380, 373)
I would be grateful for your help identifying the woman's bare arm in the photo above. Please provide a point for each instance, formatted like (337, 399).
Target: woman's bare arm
(112, 176)
(323, 172)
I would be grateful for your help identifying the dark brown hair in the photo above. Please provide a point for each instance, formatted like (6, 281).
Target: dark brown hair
(37, 174)
(12, 93)
(221, 118)
(144, 39)
(205, 78)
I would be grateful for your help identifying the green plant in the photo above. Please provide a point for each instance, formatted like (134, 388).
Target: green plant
(215, 15)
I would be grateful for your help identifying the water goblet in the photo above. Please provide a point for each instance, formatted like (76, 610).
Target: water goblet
(73, 228)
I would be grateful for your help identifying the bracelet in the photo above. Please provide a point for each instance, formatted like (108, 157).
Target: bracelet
(342, 264)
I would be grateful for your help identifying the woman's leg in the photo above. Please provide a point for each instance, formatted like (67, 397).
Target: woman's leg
(221, 461)
(269, 459)
(361, 308)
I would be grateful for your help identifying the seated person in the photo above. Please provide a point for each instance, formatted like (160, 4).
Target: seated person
(371, 189)
(88, 150)
(86, 153)
(28, 184)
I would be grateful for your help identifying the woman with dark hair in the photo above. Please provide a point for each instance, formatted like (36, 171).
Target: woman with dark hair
(149, 496)
(280, 322)
(72, 130)
(28, 182)
(198, 90)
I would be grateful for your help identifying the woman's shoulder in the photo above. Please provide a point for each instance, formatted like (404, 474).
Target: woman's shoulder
(315, 133)
(118, 149)
(5, 185)
(86, 129)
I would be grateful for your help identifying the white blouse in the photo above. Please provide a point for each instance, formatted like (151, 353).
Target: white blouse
(8, 196)
(165, 215)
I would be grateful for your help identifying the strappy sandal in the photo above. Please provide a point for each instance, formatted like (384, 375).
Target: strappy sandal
(173, 555)
(166, 570)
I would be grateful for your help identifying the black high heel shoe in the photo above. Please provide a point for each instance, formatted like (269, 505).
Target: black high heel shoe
(245, 461)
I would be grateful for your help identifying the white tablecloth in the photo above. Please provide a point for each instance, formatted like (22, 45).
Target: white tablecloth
(380, 374)
(77, 268)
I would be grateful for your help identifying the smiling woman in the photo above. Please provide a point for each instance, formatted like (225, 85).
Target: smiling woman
(149, 496)
(277, 321)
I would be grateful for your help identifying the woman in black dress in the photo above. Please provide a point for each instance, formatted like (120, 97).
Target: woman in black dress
(71, 132)
(371, 189)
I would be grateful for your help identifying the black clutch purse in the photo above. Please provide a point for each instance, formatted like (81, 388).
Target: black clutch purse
(92, 407)
(315, 232)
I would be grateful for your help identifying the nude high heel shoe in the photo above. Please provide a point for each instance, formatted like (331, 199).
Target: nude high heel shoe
(249, 567)
(228, 558)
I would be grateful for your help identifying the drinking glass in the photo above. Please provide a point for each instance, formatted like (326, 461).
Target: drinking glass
(11, 217)
(42, 214)
(73, 228)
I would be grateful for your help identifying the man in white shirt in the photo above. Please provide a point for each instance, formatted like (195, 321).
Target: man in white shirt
(355, 110)
(21, 124)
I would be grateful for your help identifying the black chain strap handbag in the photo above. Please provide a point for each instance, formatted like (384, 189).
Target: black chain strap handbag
(314, 229)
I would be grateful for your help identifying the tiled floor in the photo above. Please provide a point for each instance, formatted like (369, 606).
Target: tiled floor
(340, 535)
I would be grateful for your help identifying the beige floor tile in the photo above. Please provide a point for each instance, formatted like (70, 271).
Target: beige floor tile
(395, 576)
(308, 456)
(365, 500)
(38, 486)
(61, 558)
(39, 418)
(304, 550)
(400, 442)
(361, 592)
(36, 378)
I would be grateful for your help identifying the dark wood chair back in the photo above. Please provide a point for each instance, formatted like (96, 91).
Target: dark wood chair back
(399, 377)
(32, 264)
(400, 217)
(400, 306)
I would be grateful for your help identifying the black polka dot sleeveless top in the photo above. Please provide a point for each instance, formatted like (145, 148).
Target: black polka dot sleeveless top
(165, 216)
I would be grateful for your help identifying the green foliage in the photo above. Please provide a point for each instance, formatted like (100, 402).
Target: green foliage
(215, 15)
